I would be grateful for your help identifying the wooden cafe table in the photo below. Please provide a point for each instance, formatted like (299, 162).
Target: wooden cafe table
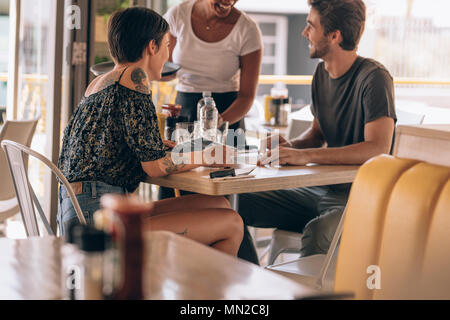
(175, 268)
(265, 179)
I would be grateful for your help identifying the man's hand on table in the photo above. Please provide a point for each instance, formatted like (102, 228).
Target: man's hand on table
(292, 156)
(282, 142)
(285, 155)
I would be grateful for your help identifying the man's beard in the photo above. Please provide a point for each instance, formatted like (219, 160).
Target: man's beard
(321, 49)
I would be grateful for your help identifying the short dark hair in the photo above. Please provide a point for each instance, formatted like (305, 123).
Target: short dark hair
(130, 31)
(347, 16)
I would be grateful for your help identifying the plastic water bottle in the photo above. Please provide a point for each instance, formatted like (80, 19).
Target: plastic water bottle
(201, 102)
(208, 119)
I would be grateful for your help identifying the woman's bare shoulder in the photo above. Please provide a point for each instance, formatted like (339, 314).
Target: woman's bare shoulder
(102, 82)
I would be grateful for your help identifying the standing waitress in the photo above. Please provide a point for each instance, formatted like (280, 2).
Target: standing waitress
(219, 49)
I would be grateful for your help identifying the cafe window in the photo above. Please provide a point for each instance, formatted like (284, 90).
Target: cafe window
(4, 39)
(411, 38)
(33, 75)
(34, 83)
(274, 30)
(104, 9)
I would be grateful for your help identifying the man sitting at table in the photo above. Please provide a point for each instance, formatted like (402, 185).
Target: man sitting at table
(354, 119)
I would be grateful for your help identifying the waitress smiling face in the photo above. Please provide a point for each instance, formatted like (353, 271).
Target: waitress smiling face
(213, 20)
(219, 8)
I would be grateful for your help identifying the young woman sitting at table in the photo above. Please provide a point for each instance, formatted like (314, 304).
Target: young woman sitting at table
(112, 141)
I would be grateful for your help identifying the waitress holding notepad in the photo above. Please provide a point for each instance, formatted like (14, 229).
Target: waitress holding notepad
(219, 49)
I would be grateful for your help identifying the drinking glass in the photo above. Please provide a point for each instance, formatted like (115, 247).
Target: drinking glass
(222, 132)
(197, 133)
(184, 131)
(267, 138)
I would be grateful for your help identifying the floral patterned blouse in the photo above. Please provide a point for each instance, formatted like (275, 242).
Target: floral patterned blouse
(109, 135)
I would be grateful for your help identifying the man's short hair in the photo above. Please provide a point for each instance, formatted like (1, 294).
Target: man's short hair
(347, 16)
(131, 30)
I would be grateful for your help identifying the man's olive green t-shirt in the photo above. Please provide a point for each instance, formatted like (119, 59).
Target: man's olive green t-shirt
(344, 105)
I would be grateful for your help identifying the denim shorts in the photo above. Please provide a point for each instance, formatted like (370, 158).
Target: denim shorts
(89, 201)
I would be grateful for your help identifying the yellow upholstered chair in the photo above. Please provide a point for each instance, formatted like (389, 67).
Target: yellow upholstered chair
(435, 278)
(395, 241)
(397, 224)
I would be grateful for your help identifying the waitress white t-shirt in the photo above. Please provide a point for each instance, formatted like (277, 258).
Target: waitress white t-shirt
(210, 66)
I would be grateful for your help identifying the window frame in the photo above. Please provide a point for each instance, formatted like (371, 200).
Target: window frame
(54, 96)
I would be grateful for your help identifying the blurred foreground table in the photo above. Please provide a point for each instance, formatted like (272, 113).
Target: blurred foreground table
(175, 268)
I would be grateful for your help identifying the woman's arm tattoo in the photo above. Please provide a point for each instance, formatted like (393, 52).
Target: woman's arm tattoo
(170, 167)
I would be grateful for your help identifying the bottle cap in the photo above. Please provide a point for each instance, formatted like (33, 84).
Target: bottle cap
(89, 239)
(206, 94)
